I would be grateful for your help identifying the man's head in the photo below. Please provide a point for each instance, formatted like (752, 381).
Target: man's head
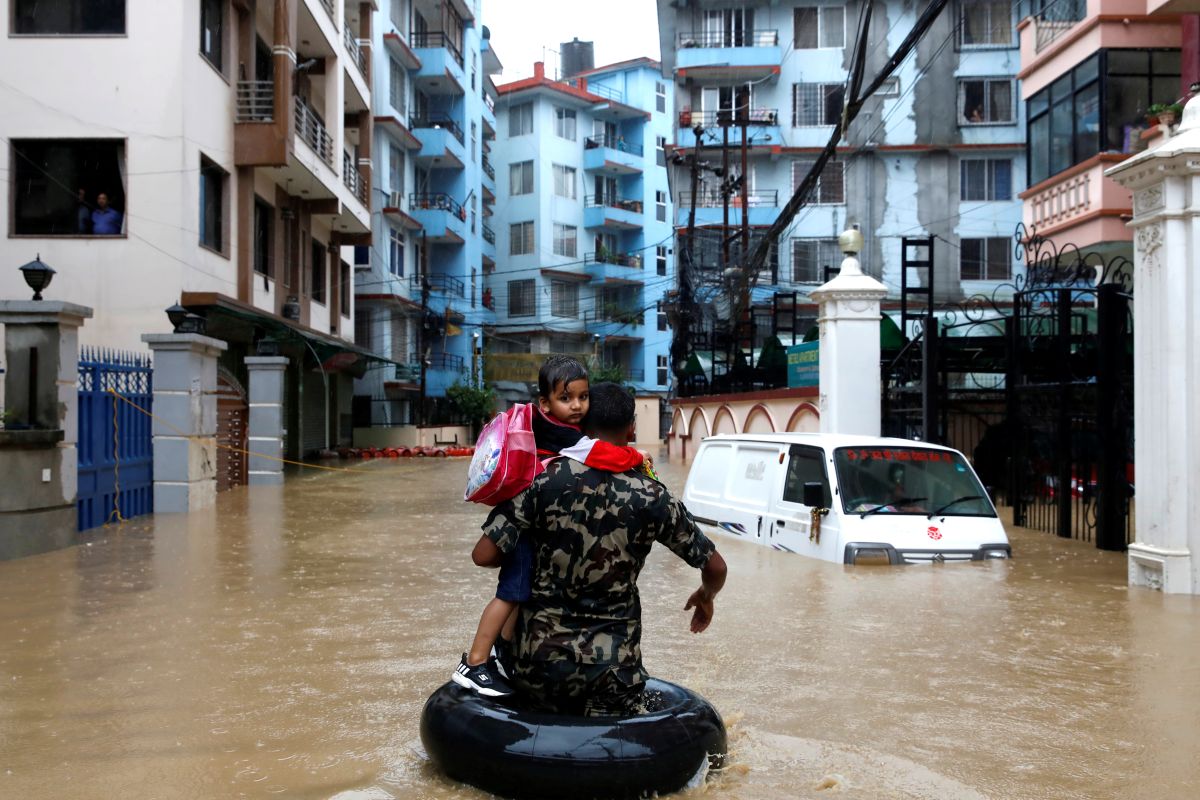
(563, 389)
(82, 194)
(102, 200)
(611, 415)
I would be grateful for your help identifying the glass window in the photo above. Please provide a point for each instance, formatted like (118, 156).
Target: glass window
(344, 290)
(69, 17)
(805, 465)
(213, 181)
(565, 181)
(263, 217)
(983, 101)
(810, 257)
(660, 150)
(985, 23)
(396, 87)
(662, 316)
(564, 299)
(820, 26)
(522, 298)
(985, 259)
(564, 123)
(396, 252)
(660, 206)
(520, 119)
(817, 104)
(660, 97)
(564, 240)
(520, 178)
(317, 272)
(67, 187)
(908, 480)
(983, 179)
(660, 257)
(520, 239)
(662, 370)
(212, 31)
(831, 186)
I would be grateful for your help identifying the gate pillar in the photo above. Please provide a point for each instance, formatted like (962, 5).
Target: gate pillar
(37, 447)
(266, 419)
(185, 424)
(1166, 224)
(849, 361)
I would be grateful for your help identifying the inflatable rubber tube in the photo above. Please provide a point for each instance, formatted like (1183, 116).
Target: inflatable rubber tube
(513, 752)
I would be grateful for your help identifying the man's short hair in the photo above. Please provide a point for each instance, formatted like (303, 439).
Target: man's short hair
(559, 369)
(611, 408)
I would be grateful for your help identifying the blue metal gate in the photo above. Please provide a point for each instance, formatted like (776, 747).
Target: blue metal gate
(116, 476)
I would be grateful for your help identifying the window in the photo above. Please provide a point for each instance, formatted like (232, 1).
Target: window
(520, 119)
(889, 88)
(985, 179)
(564, 299)
(985, 101)
(344, 290)
(474, 138)
(67, 187)
(396, 252)
(520, 178)
(69, 17)
(986, 259)
(660, 206)
(474, 212)
(660, 258)
(985, 23)
(520, 239)
(522, 302)
(817, 104)
(820, 26)
(474, 70)
(662, 316)
(831, 186)
(317, 272)
(212, 32)
(660, 150)
(564, 240)
(396, 87)
(810, 257)
(213, 184)
(564, 181)
(564, 123)
(399, 14)
(805, 465)
(396, 174)
(663, 370)
(660, 97)
(263, 217)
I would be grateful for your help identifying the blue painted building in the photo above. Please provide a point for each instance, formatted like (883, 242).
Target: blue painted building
(419, 286)
(583, 224)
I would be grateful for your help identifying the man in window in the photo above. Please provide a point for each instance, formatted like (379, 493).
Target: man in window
(106, 220)
(83, 214)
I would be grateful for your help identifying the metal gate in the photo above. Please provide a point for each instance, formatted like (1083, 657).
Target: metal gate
(232, 419)
(116, 475)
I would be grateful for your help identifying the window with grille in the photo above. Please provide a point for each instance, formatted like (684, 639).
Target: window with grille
(564, 123)
(983, 179)
(987, 259)
(564, 299)
(810, 257)
(396, 252)
(985, 101)
(520, 239)
(816, 104)
(564, 240)
(520, 119)
(564, 181)
(985, 23)
(660, 258)
(520, 178)
(831, 186)
(521, 298)
(396, 87)
(820, 26)
(662, 370)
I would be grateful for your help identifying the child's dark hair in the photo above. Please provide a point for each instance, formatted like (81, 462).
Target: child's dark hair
(610, 409)
(559, 370)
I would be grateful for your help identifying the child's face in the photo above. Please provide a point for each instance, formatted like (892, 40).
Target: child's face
(568, 402)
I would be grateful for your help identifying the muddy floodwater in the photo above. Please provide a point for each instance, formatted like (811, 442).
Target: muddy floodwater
(285, 648)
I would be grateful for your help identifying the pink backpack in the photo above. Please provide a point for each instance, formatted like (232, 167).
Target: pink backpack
(505, 460)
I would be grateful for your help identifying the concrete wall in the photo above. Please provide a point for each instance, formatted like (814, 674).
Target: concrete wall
(774, 411)
(413, 436)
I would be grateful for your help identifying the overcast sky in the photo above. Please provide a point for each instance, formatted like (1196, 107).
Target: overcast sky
(619, 29)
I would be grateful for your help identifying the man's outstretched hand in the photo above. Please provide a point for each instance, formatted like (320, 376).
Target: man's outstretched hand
(702, 601)
(712, 578)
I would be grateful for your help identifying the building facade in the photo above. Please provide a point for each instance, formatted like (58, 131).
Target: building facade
(420, 284)
(209, 153)
(583, 225)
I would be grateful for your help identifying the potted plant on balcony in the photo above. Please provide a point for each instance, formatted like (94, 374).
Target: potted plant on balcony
(1169, 114)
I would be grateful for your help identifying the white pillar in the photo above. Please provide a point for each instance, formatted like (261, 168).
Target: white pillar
(849, 326)
(1166, 222)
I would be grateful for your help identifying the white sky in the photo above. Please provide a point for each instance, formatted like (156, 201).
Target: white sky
(619, 30)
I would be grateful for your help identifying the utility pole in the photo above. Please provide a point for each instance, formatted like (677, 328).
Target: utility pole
(681, 340)
(422, 334)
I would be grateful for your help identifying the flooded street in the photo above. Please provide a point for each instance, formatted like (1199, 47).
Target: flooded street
(287, 650)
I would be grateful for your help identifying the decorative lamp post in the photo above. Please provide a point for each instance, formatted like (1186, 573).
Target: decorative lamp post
(37, 275)
(177, 314)
(184, 321)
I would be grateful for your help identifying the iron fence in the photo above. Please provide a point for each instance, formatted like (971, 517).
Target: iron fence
(255, 101)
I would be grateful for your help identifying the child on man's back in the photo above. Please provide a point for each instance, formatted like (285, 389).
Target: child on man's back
(562, 404)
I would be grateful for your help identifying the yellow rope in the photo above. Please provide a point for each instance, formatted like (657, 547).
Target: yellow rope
(187, 435)
(116, 511)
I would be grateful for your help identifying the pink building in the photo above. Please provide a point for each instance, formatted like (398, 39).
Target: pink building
(1090, 70)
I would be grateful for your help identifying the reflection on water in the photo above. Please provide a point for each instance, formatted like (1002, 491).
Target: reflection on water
(286, 648)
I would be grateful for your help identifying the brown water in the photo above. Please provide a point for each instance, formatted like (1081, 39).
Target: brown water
(286, 650)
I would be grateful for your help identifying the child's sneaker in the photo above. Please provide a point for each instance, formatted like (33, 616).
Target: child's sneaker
(502, 655)
(483, 678)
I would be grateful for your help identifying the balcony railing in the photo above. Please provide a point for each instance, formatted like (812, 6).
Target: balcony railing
(255, 101)
(355, 51)
(438, 39)
(488, 169)
(633, 260)
(489, 235)
(442, 284)
(310, 128)
(768, 198)
(726, 117)
(328, 6)
(764, 38)
(608, 92)
(446, 361)
(612, 143)
(436, 201)
(1054, 18)
(488, 101)
(353, 178)
(612, 201)
(438, 121)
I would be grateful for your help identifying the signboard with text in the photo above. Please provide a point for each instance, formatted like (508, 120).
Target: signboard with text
(803, 365)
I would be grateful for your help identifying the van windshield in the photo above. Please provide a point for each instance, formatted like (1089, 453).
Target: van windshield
(908, 480)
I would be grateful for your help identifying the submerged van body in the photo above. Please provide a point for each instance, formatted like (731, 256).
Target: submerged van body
(848, 499)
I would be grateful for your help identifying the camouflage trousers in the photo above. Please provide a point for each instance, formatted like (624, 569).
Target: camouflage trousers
(592, 690)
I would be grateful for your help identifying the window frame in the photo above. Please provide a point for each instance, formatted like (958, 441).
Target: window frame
(565, 176)
(564, 292)
(526, 170)
(822, 90)
(561, 115)
(987, 81)
(19, 163)
(816, 197)
(663, 369)
(397, 250)
(1003, 243)
(398, 88)
(565, 234)
(222, 7)
(660, 258)
(518, 115)
(660, 97)
(819, 242)
(821, 11)
(523, 289)
(208, 167)
(13, 33)
(529, 238)
(318, 255)
(989, 179)
(264, 247)
(1013, 38)
(660, 206)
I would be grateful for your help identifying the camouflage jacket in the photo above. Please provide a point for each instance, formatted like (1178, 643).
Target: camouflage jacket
(592, 531)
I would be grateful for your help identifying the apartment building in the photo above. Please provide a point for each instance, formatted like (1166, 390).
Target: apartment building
(209, 153)
(584, 225)
(420, 282)
(938, 152)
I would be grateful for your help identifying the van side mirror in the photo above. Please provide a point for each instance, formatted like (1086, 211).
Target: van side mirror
(814, 494)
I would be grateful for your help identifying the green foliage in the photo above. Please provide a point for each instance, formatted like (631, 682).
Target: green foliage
(606, 373)
(476, 403)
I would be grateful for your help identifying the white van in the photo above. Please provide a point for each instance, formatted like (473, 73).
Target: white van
(849, 499)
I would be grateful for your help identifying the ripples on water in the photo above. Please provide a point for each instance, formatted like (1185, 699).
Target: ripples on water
(286, 649)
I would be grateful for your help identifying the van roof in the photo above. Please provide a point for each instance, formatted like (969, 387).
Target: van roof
(824, 440)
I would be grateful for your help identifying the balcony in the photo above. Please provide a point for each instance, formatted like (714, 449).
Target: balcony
(328, 6)
(441, 70)
(1051, 21)
(1079, 206)
(608, 211)
(441, 284)
(394, 210)
(255, 101)
(442, 370)
(489, 235)
(763, 208)
(762, 127)
(441, 142)
(443, 218)
(611, 156)
(356, 53)
(400, 50)
(488, 169)
(614, 268)
(353, 179)
(312, 132)
(728, 55)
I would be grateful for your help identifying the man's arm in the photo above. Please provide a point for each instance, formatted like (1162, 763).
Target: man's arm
(679, 532)
(712, 579)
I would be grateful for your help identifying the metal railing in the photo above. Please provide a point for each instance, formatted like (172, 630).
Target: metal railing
(489, 102)
(488, 169)
(1052, 19)
(489, 235)
(726, 117)
(255, 101)
(438, 121)
(328, 6)
(633, 260)
(603, 91)
(612, 201)
(612, 143)
(763, 38)
(310, 128)
(353, 178)
(355, 51)
(436, 201)
(446, 361)
(442, 284)
(438, 39)
(767, 198)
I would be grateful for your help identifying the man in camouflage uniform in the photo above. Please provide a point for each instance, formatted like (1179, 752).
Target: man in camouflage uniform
(578, 641)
